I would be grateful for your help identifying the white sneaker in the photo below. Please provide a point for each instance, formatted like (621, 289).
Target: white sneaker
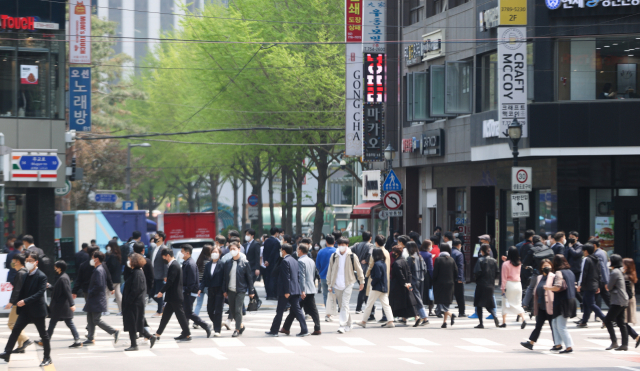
(216, 335)
(328, 319)
(347, 328)
(307, 317)
(227, 324)
(341, 330)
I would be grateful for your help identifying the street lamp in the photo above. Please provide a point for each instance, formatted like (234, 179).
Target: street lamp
(128, 169)
(514, 132)
(389, 155)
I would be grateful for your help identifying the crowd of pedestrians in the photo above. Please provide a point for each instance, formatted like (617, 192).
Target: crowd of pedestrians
(412, 279)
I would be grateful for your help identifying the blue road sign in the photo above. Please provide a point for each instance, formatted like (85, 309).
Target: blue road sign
(39, 163)
(80, 98)
(106, 197)
(391, 183)
(252, 200)
(127, 205)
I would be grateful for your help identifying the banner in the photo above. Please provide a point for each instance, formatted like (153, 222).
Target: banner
(80, 31)
(354, 21)
(512, 78)
(373, 27)
(28, 74)
(373, 132)
(80, 98)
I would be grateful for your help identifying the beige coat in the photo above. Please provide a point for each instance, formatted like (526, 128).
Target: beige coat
(387, 261)
(350, 278)
(631, 314)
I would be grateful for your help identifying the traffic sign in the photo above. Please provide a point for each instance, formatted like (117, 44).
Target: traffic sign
(51, 163)
(519, 205)
(391, 183)
(63, 191)
(253, 213)
(34, 166)
(127, 205)
(384, 214)
(253, 200)
(392, 200)
(106, 198)
(521, 179)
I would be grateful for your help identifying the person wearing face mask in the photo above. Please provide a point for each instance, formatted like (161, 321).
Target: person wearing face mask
(62, 304)
(134, 302)
(191, 285)
(485, 272)
(340, 278)
(418, 273)
(630, 280)
(18, 262)
(96, 300)
(212, 282)
(425, 252)
(159, 272)
(306, 269)
(589, 284)
(561, 241)
(32, 308)
(401, 298)
(445, 274)
(83, 276)
(81, 256)
(573, 253)
(252, 253)
(564, 303)
(269, 258)
(542, 301)
(173, 298)
(619, 303)
(115, 268)
(238, 280)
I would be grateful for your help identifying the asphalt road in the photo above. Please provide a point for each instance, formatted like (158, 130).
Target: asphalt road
(460, 347)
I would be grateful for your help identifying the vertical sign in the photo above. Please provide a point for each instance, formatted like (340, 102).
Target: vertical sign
(374, 74)
(80, 32)
(80, 98)
(353, 35)
(373, 27)
(373, 132)
(512, 78)
(513, 12)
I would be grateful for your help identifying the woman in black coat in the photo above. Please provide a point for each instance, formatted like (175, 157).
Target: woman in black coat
(445, 274)
(485, 272)
(62, 305)
(401, 299)
(134, 299)
(114, 266)
(418, 273)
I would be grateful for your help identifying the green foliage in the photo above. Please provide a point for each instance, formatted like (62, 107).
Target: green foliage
(355, 239)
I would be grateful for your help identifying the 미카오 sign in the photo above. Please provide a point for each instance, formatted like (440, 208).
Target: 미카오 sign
(17, 23)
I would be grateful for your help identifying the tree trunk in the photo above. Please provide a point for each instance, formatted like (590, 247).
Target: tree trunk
(256, 186)
(244, 205)
(214, 181)
(190, 197)
(150, 203)
(235, 186)
(290, 194)
(299, 178)
(283, 196)
(322, 166)
(271, 207)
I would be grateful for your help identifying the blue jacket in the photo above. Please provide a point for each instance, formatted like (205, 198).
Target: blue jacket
(428, 259)
(604, 270)
(558, 248)
(459, 259)
(379, 277)
(322, 260)
(190, 279)
(288, 277)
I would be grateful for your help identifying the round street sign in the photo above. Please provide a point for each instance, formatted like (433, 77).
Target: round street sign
(63, 191)
(392, 200)
(522, 176)
(252, 200)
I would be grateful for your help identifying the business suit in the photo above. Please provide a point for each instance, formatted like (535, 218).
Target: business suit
(18, 280)
(288, 284)
(459, 284)
(306, 271)
(60, 307)
(213, 283)
(173, 298)
(159, 274)
(190, 288)
(252, 252)
(34, 311)
(96, 302)
(270, 255)
(80, 257)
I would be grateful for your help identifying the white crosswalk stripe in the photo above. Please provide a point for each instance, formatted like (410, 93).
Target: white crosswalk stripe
(480, 341)
(342, 349)
(477, 349)
(409, 349)
(274, 350)
(419, 341)
(355, 341)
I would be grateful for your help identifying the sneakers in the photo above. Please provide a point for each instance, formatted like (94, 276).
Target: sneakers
(76, 344)
(359, 312)
(307, 317)
(480, 326)
(347, 328)
(527, 345)
(88, 342)
(227, 324)
(371, 319)
(156, 315)
(361, 324)
(388, 325)
(328, 319)
(341, 330)
(131, 349)
(216, 334)
(116, 336)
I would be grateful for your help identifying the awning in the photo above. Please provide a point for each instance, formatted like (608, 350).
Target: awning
(365, 210)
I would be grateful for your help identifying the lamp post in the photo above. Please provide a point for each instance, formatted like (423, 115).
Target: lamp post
(389, 155)
(514, 132)
(128, 169)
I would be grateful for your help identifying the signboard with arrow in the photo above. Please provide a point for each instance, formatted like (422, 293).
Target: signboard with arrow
(392, 200)
(519, 205)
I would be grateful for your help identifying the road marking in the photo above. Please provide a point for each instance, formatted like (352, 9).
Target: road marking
(140, 353)
(274, 350)
(342, 349)
(356, 341)
(292, 342)
(410, 349)
(480, 341)
(228, 342)
(549, 353)
(83, 357)
(604, 343)
(419, 341)
(411, 361)
(166, 346)
(478, 349)
(213, 352)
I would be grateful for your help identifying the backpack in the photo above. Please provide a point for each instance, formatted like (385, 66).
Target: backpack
(539, 256)
(335, 255)
(629, 288)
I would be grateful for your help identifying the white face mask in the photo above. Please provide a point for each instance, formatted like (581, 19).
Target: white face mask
(342, 249)
(215, 256)
(317, 247)
(234, 253)
(180, 258)
(247, 238)
(92, 263)
(128, 263)
(30, 266)
(108, 248)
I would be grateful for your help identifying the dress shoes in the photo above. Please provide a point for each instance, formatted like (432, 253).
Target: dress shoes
(283, 331)
(131, 349)
(527, 345)
(268, 333)
(5, 356)
(316, 332)
(46, 362)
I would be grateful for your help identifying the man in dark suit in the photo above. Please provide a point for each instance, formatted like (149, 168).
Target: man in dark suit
(18, 261)
(18, 249)
(27, 240)
(96, 300)
(159, 271)
(269, 257)
(191, 286)
(252, 252)
(81, 257)
(173, 298)
(83, 275)
(213, 280)
(288, 292)
(32, 308)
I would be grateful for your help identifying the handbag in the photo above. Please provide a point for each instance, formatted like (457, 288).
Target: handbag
(254, 305)
(332, 304)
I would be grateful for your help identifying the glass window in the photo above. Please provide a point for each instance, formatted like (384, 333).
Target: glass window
(489, 82)
(458, 87)
(420, 112)
(33, 65)
(409, 95)
(7, 81)
(598, 68)
(436, 91)
(546, 211)
(530, 73)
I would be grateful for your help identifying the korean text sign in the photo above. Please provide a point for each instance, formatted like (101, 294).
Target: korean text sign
(512, 77)
(374, 74)
(354, 21)
(373, 36)
(373, 132)
(80, 32)
(80, 98)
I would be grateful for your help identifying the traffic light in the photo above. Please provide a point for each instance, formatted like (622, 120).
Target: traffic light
(72, 177)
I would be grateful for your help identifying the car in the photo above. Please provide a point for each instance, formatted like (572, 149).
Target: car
(196, 243)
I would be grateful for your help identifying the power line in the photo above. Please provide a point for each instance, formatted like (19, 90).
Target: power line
(206, 131)
(243, 144)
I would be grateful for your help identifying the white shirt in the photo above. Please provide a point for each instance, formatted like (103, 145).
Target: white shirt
(342, 259)
(232, 276)
(213, 267)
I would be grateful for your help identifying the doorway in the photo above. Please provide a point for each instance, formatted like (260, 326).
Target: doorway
(482, 222)
(627, 227)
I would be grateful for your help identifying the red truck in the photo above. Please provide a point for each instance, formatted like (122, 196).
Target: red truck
(195, 229)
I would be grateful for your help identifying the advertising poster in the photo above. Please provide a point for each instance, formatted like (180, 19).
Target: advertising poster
(28, 74)
(512, 78)
(80, 98)
(371, 185)
(80, 31)
(604, 231)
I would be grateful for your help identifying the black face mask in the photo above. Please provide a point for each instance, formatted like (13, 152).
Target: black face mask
(572, 240)
(546, 270)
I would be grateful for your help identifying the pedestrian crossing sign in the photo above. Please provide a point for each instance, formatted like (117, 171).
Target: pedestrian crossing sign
(391, 183)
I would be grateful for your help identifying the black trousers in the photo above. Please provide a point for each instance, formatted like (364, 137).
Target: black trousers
(69, 322)
(269, 284)
(294, 301)
(362, 297)
(490, 310)
(157, 286)
(616, 313)
(215, 303)
(133, 336)
(540, 318)
(187, 304)
(309, 305)
(22, 322)
(459, 293)
(95, 319)
(169, 309)
(605, 295)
